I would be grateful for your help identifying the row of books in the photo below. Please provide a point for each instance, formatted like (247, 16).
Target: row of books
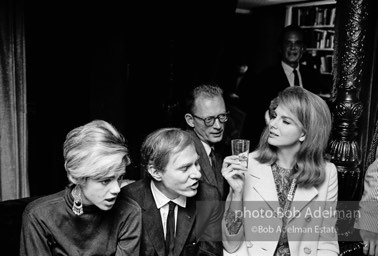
(315, 16)
(320, 39)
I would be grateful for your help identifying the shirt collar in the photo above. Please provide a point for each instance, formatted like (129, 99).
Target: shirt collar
(161, 199)
(207, 147)
(288, 69)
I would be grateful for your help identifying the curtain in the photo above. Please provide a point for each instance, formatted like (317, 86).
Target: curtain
(13, 120)
(369, 95)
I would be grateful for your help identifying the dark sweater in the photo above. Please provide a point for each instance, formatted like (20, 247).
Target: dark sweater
(51, 228)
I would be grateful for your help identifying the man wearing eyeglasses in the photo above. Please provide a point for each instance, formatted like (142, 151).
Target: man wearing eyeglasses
(206, 116)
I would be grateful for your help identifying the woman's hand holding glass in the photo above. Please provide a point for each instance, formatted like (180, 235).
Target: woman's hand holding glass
(234, 172)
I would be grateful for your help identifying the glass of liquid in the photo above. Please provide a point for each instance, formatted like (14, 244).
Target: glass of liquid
(240, 147)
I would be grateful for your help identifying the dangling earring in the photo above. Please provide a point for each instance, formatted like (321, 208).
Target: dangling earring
(77, 207)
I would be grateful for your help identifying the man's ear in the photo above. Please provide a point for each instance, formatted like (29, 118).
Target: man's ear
(189, 120)
(155, 174)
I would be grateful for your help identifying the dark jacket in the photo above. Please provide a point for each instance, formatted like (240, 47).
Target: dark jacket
(50, 227)
(208, 175)
(198, 230)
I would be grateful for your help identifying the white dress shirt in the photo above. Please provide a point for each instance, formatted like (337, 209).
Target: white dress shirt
(290, 75)
(208, 150)
(162, 204)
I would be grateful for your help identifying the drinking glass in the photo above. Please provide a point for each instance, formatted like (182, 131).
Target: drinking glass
(240, 147)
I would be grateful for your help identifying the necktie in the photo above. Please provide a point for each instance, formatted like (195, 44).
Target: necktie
(296, 77)
(218, 174)
(213, 160)
(170, 236)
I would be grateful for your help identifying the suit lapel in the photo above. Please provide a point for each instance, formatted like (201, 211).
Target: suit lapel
(265, 185)
(283, 78)
(266, 188)
(151, 217)
(185, 220)
(206, 168)
(302, 197)
(304, 76)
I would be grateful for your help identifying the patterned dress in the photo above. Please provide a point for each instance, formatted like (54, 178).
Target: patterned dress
(282, 178)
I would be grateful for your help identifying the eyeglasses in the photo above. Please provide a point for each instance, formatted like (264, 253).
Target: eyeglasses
(209, 121)
(296, 44)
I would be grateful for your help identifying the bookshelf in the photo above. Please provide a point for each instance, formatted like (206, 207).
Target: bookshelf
(317, 19)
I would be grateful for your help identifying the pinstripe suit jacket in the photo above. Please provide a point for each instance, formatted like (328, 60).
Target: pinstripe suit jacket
(368, 219)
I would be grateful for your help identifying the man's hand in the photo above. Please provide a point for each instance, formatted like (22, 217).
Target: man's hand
(370, 242)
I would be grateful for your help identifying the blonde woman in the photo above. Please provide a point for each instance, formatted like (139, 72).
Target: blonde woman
(86, 218)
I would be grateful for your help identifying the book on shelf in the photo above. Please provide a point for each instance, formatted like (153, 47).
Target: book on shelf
(333, 15)
(315, 16)
(326, 64)
(317, 19)
(321, 39)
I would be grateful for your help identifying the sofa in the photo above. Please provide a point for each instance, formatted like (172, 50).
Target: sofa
(11, 218)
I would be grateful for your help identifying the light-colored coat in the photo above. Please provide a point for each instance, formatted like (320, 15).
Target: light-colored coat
(311, 222)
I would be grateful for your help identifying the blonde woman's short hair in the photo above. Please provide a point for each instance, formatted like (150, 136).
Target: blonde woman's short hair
(94, 150)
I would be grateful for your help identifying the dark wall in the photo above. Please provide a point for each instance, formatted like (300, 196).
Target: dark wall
(259, 36)
(127, 64)
(57, 52)
(253, 41)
